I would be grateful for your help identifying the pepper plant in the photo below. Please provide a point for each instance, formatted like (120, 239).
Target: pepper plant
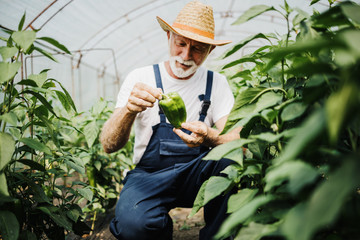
(298, 101)
(48, 149)
(104, 172)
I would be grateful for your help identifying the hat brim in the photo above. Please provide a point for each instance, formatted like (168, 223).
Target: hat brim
(166, 27)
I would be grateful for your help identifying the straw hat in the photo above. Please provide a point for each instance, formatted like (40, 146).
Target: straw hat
(195, 21)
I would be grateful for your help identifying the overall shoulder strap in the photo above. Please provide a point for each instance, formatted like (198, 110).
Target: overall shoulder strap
(206, 101)
(159, 85)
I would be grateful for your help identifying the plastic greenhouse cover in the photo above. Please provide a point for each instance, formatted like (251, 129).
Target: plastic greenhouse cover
(109, 38)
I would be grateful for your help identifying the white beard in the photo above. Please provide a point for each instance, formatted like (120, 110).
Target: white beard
(179, 72)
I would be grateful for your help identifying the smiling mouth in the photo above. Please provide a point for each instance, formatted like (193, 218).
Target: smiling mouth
(183, 65)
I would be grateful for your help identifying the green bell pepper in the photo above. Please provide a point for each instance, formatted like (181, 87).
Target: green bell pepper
(174, 108)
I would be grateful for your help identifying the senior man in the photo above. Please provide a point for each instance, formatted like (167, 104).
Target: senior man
(169, 170)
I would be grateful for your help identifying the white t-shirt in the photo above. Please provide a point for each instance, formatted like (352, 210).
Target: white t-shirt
(222, 100)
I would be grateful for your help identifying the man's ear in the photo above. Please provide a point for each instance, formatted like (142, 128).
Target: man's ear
(168, 34)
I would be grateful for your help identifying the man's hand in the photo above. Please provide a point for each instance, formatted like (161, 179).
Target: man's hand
(141, 97)
(198, 136)
(207, 136)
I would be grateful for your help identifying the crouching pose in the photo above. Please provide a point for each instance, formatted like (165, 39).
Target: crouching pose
(169, 170)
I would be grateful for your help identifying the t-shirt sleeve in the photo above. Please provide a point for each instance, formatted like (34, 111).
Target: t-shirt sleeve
(222, 100)
(126, 89)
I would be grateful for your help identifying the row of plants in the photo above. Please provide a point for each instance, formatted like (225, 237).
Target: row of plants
(54, 174)
(298, 100)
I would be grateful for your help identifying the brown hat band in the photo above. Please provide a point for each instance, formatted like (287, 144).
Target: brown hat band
(194, 30)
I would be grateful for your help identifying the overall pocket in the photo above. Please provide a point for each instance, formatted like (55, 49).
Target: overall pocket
(170, 147)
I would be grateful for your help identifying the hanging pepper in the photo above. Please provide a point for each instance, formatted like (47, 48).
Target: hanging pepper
(174, 108)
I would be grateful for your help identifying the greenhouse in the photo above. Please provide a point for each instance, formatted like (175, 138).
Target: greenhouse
(283, 113)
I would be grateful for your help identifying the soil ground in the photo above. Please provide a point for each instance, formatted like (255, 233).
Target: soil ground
(184, 228)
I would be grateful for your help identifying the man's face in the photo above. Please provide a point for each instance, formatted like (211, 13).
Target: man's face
(186, 55)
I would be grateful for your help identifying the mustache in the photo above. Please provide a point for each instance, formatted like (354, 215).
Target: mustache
(185, 62)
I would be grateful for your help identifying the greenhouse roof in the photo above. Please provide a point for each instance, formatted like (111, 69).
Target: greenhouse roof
(109, 38)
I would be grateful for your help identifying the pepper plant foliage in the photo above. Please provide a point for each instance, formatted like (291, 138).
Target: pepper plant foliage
(53, 170)
(298, 100)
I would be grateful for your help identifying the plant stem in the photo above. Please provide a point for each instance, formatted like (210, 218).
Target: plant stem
(93, 223)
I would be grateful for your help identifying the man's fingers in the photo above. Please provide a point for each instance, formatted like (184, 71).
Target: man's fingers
(195, 127)
(192, 140)
(140, 102)
(143, 96)
(154, 92)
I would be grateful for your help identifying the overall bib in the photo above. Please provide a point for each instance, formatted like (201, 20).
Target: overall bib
(168, 175)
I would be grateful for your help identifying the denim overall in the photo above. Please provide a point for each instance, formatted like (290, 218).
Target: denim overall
(168, 175)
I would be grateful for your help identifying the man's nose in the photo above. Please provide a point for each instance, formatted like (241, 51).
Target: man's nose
(186, 53)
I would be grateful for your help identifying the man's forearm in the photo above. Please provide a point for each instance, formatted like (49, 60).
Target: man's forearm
(214, 138)
(116, 130)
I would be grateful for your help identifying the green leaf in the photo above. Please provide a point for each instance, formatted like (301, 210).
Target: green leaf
(297, 173)
(27, 82)
(9, 225)
(269, 115)
(252, 13)
(241, 215)
(63, 99)
(21, 23)
(9, 117)
(3, 186)
(302, 15)
(215, 187)
(38, 78)
(257, 149)
(246, 96)
(246, 74)
(199, 200)
(293, 111)
(41, 99)
(325, 203)
(36, 145)
(236, 155)
(255, 231)
(60, 219)
(234, 123)
(74, 214)
(267, 137)
(91, 132)
(24, 39)
(32, 164)
(307, 133)
(232, 172)
(313, 45)
(76, 166)
(7, 148)
(238, 200)
(314, 1)
(45, 53)
(55, 43)
(340, 107)
(245, 41)
(332, 17)
(97, 165)
(8, 52)
(351, 39)
(8, 70)
(239, 61)
(99, 107)
(307, 32)
(86, 193)
(69, 99)
(266, 100)
(351, 11)
(222, 150)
